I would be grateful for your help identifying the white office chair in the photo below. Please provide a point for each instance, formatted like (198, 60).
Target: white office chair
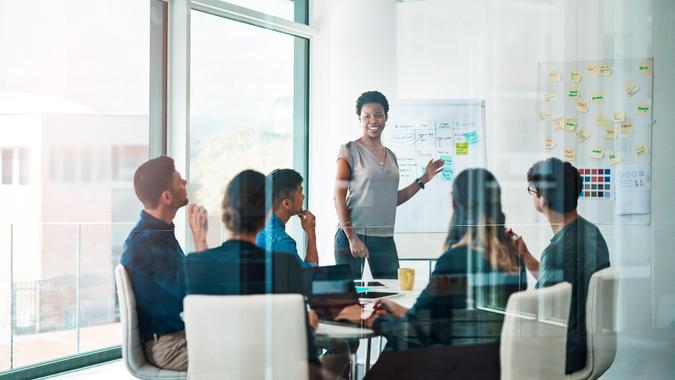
(600, 324)
(246, 337)
(534, 334)
(132, 348)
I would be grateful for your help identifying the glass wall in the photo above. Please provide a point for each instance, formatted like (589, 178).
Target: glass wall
(74, 119)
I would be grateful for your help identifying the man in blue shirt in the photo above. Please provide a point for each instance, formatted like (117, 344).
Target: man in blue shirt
(577, 249)
(153, 258)
(287, 201)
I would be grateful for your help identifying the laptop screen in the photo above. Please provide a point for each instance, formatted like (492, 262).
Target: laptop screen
(331, 288)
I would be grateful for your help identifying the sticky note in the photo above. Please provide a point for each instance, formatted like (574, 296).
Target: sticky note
(573, 93)
(631, 88)
(559, 124)
(549, 96)
(618, 116)
(597, 152)
(462, 148)
(643, 108)
(610, 133)
(604, 69)
(641, 150)
(645, 67)
(614, 158)
(592, 69)
(598, 98)
(582, 135)
(543, 114)
(549, 143)
(582, 105)
(447, 171)
(554, 75)
(571, 124)
(569, 154)
(472, 137)
(626, 127)
(575, 77)
(600, 120)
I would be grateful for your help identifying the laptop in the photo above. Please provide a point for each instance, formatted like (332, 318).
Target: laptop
(330, 289)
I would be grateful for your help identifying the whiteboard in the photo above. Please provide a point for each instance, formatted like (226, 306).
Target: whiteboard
(419, 130)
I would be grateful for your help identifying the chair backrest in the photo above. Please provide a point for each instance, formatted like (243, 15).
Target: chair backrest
(600, 324)
(132, 348)
(133, 354)
(534, 333)
(246, 337)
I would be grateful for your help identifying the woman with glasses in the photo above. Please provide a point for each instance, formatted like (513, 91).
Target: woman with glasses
(367, 194)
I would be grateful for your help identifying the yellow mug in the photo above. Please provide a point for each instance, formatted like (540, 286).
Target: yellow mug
(406, 278)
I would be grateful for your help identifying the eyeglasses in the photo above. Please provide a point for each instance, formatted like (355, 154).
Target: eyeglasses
(378, 116)
(532, 190)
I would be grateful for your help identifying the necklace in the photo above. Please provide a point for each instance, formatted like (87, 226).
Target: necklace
(375, 150)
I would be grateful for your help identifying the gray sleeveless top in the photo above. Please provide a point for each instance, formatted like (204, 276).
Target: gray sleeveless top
(373, 190)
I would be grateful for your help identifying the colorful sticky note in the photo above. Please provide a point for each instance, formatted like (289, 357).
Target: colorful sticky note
(461, 148)
(614, 158)
(573, 93)
(645, 67)
(582, 105)
(575, 77)
(643, 108)
(559, 124)
(472, 137)
(543, 114)
(582, 135)
(604, 69)
(569, 154)
(600, 120)
(597, 152)
(626, 127)
(549, 143)
(610, 133)
(554, 75)
(631, 88)
(618, 116)
(571, 124)
(447, 171)
(549, 96)
(641, 150)
(592, 69)
(598, 98)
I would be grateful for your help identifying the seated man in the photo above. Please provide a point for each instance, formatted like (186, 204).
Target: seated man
(577, 249)
(238, 266)
(153, 259)
(287, 200)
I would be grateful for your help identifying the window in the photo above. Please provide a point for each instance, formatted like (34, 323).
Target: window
(242, 104)
(74, 116)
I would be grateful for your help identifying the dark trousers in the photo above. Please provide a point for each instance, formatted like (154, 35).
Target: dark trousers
(382, 255)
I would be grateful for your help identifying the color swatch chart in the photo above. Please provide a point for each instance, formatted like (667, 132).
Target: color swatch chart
(596, 183)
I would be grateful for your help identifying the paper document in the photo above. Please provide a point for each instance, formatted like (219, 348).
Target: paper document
(632, 192)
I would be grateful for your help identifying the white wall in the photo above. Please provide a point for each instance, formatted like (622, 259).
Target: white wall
(490, 50)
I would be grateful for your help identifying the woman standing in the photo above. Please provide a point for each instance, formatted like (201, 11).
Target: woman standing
(366, 193)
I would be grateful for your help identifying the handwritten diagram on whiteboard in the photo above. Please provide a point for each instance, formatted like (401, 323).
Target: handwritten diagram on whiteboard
(421, 130)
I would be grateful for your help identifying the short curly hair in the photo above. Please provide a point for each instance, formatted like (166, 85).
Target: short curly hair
(559, 183)
(244, 202)
(372, 97)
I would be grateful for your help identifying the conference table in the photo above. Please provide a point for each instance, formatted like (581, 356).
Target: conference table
(341, 332)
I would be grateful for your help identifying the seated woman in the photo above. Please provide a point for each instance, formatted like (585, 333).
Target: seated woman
(238, 266)
(472, 280)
